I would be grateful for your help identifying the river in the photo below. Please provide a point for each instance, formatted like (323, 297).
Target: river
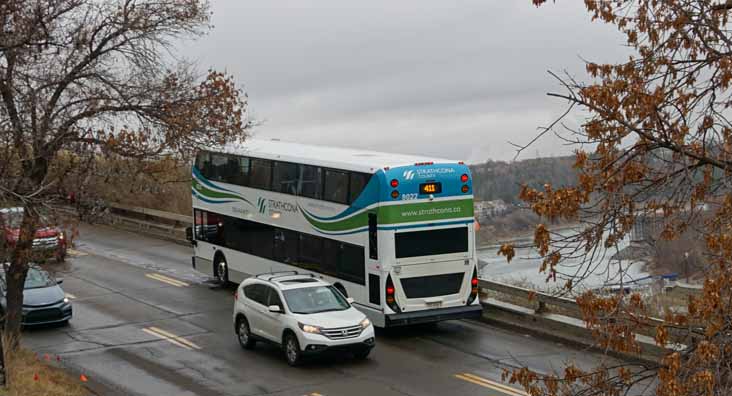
(523, 270)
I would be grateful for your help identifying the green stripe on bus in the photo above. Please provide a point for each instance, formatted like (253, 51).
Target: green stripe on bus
(425, 211)
(351, 223)
(397, 214)
(208, 193)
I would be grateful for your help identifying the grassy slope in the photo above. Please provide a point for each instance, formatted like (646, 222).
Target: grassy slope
(30, 375)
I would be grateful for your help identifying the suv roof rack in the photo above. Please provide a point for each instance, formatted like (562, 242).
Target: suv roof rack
(270, 276)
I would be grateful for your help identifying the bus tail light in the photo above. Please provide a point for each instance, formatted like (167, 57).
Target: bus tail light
(394, 183)
(473, 287)
(464, 178)
(391, 295)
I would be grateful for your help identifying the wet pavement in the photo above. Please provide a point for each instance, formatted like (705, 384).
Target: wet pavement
(146, 323)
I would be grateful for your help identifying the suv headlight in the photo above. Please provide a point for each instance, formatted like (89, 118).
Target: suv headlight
(309, 328)
(365, 323)
(66, 300)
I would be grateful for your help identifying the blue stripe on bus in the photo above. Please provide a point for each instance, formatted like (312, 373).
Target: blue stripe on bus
(356, 231)
(205, 181)
(425, 225)
(199, 196)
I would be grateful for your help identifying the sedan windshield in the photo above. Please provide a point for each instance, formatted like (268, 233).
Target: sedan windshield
(310, 300)
(36, 279)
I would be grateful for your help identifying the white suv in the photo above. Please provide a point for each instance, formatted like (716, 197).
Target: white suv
(303, 314)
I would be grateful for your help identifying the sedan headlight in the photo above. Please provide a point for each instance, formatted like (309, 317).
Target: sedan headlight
(365, 323)
(66, 300)
(309, 328)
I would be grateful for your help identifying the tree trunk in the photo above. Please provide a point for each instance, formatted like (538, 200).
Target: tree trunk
(3, 373)
(15, 276)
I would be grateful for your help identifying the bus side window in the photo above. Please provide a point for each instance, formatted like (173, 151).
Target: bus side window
(310, 182)
(358, 183)
(203, 164)
(261, 173)
(373, 240)
(336, 186)
(239, 170)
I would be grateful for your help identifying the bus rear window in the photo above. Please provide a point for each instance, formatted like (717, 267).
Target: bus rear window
(431, 242)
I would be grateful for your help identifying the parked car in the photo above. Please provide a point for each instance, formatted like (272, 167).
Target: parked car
(44, 302)
(49, 241)
(302, 314)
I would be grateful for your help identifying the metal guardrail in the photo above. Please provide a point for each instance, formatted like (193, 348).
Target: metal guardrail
(152, 213)
(170, 226)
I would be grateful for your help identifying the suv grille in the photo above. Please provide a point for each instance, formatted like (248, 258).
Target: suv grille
(342, 333)
(45, 242)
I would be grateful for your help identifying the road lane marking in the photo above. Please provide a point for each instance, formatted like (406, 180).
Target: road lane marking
(172, 338)
(168, 280)
(70, 296)
(312, 394)
(486, 383)
(166, 339)
(76, 253)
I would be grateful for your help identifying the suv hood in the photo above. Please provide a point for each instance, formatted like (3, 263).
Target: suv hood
(333, 319)
(42, 296)
(45, 232)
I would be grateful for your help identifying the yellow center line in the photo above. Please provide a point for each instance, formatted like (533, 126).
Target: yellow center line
(486, 383)
(77, 253)
(165, 279)
(172, 341)
(174, 337)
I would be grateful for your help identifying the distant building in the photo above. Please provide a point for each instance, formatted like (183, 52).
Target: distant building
(489, 209)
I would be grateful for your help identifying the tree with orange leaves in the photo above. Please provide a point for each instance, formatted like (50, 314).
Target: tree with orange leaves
(82, 80)
(660, 134)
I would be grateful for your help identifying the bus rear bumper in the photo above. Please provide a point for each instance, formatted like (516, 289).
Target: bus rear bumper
(434, 315)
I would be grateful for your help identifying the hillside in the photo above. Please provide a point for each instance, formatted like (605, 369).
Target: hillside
(495, 180)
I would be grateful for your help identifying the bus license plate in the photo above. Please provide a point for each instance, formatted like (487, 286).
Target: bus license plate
(434, 304)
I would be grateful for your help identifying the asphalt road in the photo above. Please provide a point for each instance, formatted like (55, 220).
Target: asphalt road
(146, 323)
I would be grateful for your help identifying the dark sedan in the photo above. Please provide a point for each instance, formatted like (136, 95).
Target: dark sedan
(44, 302)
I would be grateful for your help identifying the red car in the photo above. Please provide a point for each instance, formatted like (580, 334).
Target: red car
(49, 241)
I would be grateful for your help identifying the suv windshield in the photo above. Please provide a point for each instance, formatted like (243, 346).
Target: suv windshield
(310, 300)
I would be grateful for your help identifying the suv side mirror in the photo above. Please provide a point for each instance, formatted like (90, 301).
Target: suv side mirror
(350, 300)
(59, 281)
(274, 309)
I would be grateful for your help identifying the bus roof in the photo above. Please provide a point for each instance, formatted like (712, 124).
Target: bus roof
(333, 157)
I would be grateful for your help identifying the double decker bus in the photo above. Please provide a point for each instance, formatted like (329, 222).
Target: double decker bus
(394, 232)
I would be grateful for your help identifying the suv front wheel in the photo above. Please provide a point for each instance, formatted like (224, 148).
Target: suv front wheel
(244, 334)
(292, 350)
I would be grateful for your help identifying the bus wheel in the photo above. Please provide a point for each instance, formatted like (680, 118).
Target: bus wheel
(341, 289)
(221, 270)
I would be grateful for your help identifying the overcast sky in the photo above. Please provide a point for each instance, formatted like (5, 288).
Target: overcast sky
(455, 79)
